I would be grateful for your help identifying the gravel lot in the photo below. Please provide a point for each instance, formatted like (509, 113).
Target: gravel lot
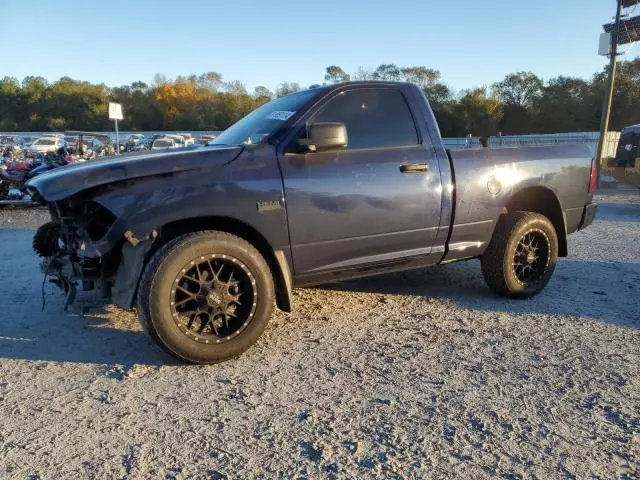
(416, 375)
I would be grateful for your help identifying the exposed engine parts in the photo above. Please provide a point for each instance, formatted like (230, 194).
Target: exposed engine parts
(46, 240)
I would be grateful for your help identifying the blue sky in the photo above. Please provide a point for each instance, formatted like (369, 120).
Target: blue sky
(266, 42)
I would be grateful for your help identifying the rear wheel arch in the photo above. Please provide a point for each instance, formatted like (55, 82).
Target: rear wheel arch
(276, 260)
(544, 201)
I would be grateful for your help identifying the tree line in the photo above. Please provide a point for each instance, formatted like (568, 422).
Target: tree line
(521, 103)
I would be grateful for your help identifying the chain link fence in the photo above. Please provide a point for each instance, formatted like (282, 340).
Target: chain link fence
(590, 138)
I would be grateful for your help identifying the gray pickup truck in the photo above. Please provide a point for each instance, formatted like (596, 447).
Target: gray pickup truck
(323, 185)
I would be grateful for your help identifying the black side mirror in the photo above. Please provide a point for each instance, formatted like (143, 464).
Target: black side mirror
(325, 136)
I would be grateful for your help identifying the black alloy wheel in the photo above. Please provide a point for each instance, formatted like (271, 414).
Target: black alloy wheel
(206, 296)
(531, 256)
(213, 298)
(521, 256)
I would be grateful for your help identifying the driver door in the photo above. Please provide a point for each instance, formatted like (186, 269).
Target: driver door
(361, 207)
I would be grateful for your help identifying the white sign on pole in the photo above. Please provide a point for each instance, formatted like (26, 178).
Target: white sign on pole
(604, 47)
(115, 111)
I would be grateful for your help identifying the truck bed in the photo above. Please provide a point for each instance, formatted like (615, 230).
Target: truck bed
(485, 179)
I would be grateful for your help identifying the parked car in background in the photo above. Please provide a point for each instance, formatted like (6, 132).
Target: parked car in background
(53, 135)
(136, 138)
(48, 144)
(88, 143)
(135, 142)
(204, 139)
(71, 141)
(153, 138)
(13, 140)
(188, 138)
(28, 140)
(91, 143)
(164, 144)
(179, 139)
(628, 146)
(319, 186)
(94, 144)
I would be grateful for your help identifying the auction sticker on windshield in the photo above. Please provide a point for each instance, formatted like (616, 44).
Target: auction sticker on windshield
(280, 115)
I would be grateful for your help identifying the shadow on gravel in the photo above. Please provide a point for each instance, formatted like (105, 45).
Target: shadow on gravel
(606, 292)
(618, 212)
(603, 291)
(102, 335)
(55, 336)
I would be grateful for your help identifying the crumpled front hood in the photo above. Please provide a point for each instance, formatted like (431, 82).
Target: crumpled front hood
(71, 179)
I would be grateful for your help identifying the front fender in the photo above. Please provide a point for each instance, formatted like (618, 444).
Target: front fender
(150, 206)
(64, 182)
(234, 190)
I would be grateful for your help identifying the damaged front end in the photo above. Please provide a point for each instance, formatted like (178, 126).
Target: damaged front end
(79, 250)
(104, 214)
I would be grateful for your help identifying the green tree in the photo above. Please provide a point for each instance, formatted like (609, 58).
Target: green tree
(428, 80)
(77, 105)
(10, 104)
(388, 72)
(235, 87)
(286, 88)
(139, 86)
(232, 107)
(422, 76)
(521, 103)
(335, 74)
(479, 112)
(210, 80)
(262, 94)
(518, 92)
(625, 109)
(437, 93)
(564, 106)
(520, 88)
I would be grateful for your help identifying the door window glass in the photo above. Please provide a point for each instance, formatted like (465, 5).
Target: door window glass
(375, 118)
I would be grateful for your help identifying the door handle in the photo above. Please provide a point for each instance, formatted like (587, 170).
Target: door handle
(414, 168)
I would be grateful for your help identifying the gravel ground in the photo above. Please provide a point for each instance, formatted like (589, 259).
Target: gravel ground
(422, 374)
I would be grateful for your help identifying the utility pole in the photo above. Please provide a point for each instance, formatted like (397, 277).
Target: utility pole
(608, 99)
(117, 139)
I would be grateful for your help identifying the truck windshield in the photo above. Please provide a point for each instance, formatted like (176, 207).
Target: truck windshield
(262, 122)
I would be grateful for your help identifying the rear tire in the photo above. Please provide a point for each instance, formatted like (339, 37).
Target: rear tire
(206, 297)
(521, 256)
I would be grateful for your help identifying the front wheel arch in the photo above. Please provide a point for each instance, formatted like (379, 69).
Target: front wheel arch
(276, 259)
(134, 259)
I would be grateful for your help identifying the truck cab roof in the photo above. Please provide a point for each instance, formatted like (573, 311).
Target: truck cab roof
(356, 83)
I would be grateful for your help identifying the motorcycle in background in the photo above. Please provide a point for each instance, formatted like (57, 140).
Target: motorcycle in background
(14, 176)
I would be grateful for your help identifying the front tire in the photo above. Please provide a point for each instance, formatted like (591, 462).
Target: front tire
(206, 297)
(521, 256)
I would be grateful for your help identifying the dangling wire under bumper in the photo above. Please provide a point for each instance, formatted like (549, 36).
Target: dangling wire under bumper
(63, 274)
